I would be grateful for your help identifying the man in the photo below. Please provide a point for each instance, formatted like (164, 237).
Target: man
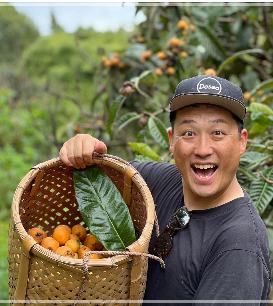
(215, 246)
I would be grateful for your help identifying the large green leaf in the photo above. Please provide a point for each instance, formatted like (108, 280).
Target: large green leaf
(246, 172)
(257, 130)
(257, 116)
(265, 109)
(103, 208)
(147, 77)
(261, 192)
(249, 80)
(253, 159)
(144, 150)
(141, 136)
(244, 36)
(158, 131)
(234, 56)
(126, 119)
(214, 13)
(114, 109)
(210, 42)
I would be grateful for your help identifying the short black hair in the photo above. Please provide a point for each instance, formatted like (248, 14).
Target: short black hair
(239, 122)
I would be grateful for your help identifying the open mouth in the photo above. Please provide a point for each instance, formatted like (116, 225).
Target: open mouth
(204, 171)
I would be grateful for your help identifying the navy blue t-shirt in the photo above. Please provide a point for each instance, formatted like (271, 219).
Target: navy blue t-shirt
(222, 254)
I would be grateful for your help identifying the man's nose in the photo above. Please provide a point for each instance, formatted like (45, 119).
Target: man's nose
(204, 146)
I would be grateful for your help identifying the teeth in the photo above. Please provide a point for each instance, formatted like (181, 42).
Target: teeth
(204, 166)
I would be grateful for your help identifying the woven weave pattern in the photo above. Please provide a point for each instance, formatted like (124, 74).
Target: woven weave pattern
(46, 198)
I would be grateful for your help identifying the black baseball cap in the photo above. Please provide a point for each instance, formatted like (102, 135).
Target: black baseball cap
(209, 89)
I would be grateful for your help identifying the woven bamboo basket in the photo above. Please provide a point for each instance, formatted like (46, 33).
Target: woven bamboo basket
(46, 197)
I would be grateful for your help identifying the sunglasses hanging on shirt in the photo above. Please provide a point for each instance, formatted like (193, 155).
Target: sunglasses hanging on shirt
(178, 221)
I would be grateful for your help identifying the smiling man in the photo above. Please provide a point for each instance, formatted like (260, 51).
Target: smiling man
(214, 244)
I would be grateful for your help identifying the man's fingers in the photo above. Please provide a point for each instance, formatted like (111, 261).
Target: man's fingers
(63, 156)
(80, 154)
(90, 147)
(77, 151)
(70, 153)
(87, 151)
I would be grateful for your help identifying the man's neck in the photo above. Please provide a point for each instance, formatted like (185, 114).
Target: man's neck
(195, 202)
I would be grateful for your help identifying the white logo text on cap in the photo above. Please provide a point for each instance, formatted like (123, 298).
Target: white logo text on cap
(209, 85)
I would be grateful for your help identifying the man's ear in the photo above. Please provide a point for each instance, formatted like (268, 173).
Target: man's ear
(170, 134)
(243, 141)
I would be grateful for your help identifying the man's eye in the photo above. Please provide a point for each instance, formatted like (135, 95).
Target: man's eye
(188, 134)
(218, 133)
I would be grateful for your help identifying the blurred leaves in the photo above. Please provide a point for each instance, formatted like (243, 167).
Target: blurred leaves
(145, 150)
(261, 192)
(67, 84)
(234, 56)
(210, 42)
(113, 112)
(158, 131)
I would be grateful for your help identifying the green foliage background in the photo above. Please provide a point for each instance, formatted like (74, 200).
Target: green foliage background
(117, 86)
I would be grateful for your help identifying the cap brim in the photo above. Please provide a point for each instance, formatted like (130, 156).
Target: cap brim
(232, 105)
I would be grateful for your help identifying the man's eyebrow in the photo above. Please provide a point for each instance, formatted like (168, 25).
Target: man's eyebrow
(218, 121)
(187, 121)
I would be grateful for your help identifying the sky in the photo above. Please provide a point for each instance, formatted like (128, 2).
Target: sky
(102, 16)
(70, 17)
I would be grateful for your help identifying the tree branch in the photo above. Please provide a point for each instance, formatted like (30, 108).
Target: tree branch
(266, 26)
(265, 179)
(258, 68)
(145, 95)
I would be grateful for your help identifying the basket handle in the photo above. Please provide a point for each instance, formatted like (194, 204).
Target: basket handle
(20, 293)
(37, 182)
(128, 174)
(135, 272)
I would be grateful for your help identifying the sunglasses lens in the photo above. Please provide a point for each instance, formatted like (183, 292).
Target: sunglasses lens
(180, 219)
(163, 244)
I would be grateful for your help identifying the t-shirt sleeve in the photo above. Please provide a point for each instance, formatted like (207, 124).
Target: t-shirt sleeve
(159, 176)
(234, 275)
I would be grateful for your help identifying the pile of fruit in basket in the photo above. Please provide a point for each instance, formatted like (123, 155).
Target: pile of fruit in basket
(70, 242)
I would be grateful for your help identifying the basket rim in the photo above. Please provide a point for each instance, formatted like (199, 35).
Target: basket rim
(99, 159)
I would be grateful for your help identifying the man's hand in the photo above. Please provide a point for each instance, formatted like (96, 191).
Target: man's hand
(77, 151)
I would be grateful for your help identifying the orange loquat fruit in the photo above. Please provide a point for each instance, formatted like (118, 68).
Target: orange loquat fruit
(171, 70)
(82, 250)
(174, 41)
(75, 237)
(182, 24)
(73, 245)
(210, 71)
(50, 243)
(65, 226)
(64, 251)
(162, 55)
(79, 231)
(158, 71)
(246, 95)
(95, 256)
(38, 234)
(184, 54)
(92, 243)
(61, 234)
